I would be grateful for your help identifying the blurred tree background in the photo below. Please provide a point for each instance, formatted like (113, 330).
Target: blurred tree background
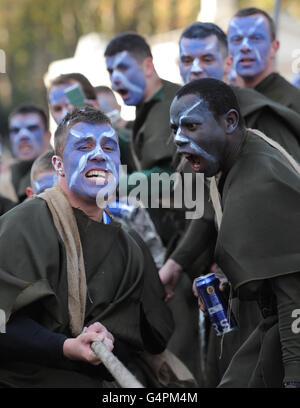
(34, 33)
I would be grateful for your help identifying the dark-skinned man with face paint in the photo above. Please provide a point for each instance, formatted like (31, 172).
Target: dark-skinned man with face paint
(255, 191)
(76, 276)
(29, 137)
(203, 54)
(253, 45)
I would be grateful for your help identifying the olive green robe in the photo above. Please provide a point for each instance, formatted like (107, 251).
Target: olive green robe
(277, 88)
(124, 291)
(20, 177)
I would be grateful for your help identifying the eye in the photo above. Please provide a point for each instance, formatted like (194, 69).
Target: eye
(208, 58)
(33, 128)
(56, 109)
(256, 37)
(109, 148)
(191, 126)
(122, 68)
(236, 39)
(14, 130)
(185, 59)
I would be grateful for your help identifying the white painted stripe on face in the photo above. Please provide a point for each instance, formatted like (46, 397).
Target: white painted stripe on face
(128, 85)
(196, 66)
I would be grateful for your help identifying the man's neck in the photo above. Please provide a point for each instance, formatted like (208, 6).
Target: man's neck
(253, 82)
(233, 149)
(88, 206)
(153, 86)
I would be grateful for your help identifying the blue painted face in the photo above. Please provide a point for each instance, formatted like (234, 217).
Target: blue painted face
(249, 42)
(127, 77)
(26, 133)
(59, 103)
(200, 58)
(47, 180)
(91, 159)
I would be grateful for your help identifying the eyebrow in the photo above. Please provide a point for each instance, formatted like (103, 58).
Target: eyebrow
(83, 140)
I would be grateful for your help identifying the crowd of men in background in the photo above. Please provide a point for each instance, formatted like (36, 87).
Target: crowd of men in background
(232, 95)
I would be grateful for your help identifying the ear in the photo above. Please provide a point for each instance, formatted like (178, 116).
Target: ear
(47, 137)
(58, 165)
(227, 65)
(232, 119)
(29, 192)
(148, 66)
(274, 48)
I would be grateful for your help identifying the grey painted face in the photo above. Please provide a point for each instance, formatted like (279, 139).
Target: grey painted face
(197, 134)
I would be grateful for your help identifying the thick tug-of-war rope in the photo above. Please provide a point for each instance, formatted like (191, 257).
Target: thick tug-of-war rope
(117, 369)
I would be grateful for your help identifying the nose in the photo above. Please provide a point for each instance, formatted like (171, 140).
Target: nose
(180, 140)
(196, 67)
(245, 47)
(98, 155)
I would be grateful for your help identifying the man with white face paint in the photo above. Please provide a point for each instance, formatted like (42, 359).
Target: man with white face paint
(29, 137)
(253, 45)
(132, 73)
(81, 277)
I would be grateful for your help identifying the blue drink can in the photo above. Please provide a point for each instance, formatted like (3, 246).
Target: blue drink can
(122, 210)
(215, 303)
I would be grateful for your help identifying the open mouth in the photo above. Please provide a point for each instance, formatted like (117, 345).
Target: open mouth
(194, 161)
(123, 92)
(246, 61)
(25, 148)
(98, 176)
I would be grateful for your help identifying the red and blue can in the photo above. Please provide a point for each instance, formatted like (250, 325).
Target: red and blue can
(222, 320)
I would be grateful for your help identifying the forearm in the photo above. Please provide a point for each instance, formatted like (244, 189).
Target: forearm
(287, 289)
(194, 242)
(27, 340)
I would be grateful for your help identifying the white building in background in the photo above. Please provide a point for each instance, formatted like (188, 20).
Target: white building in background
(89, 60)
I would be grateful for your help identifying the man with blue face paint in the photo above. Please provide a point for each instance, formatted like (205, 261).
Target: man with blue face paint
(132, 73)
(255, 192)
(43, 175)
(59, 102)
(253, 45)
(29, 137)
(203, 52)
(205, 45)
(81, 277)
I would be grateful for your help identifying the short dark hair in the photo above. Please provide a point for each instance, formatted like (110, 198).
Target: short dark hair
(134, 43)
(104, 89)
(249, 11)
(218, 96)
(86, 86)
(85, 115)
(26, 109)
(42, 164)
(203, 30)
